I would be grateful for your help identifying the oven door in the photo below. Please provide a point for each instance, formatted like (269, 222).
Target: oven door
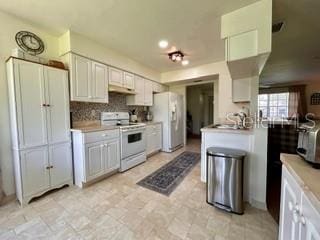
(132, 142)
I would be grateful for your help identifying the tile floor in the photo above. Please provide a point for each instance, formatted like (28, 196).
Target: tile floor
(116, 208)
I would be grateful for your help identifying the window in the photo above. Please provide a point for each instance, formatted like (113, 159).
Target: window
(274, 105)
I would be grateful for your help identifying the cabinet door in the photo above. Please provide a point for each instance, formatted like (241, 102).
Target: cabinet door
(150, 139)
(148, 94)
(289, 210)
(158, 137)
(241, 90)
(60, 161)
(112, 155)
(128, 80)
(30, 100)
(94, 160)
(80, 79)
(310, 220)
(138, 98)
(34, 171)
(115, 77)
(243, 45)
(58, 114)
(99, 83)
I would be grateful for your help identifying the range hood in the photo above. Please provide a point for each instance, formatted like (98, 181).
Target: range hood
(121, 90)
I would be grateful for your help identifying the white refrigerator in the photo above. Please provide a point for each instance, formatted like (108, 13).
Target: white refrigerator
(168, 108)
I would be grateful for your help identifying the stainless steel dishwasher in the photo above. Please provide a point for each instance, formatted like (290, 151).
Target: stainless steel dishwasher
(225, 178)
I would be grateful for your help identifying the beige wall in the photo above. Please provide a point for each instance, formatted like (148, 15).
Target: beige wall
(223, 90)
(71, 41)
(311, 88)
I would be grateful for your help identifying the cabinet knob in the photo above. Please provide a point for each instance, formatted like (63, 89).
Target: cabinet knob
(303, 220)
(48, 167)
(295, 217)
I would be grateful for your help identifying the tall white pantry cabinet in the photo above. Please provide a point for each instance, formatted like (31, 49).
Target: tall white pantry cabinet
(40, 128)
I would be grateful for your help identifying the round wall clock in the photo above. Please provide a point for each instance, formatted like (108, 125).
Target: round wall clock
(29, 42)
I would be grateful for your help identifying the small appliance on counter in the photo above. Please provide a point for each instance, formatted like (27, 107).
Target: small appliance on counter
(149, 116)
(133, 116)
(309, 142)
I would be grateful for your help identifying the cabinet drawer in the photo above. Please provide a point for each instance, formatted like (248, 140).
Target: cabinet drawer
(156, 128)
(153, 128)
(100, 136)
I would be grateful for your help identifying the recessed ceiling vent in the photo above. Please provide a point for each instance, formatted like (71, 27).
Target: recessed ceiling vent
(277, 27)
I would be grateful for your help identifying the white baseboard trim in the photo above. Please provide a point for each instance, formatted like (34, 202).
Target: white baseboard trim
(258, 204)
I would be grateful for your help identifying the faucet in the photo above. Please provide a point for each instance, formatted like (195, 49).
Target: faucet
(242, 116)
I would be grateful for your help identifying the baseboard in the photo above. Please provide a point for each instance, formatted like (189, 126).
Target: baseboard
(258, 204)
(7, 199)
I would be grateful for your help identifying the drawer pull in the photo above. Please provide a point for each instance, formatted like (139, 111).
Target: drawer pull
(105, 135)
(302, 220)
(295, 217)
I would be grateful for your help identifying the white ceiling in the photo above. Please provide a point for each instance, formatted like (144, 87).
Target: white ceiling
(296, 49)
(134, 27)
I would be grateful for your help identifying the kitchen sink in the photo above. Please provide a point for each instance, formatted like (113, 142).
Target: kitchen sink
(226, 126)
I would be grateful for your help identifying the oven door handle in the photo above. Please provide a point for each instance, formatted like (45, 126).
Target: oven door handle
(133, 130)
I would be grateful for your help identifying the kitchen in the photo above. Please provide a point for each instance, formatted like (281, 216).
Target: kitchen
(95, 145)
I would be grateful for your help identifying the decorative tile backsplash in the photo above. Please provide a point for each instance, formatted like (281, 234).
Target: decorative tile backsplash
(83, 111)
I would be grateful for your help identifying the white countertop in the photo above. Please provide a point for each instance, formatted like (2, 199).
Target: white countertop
(306, 176)
(210, 129)
(94, 126)
(90, 126)
(151, 122)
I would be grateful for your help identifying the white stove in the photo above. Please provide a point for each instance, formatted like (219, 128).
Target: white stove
(132, 138)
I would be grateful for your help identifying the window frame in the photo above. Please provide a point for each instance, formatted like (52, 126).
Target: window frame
(272, 103)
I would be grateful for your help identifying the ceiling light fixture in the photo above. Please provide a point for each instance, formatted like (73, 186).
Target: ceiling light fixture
(163, 44)
(185, 62)
(176, 56)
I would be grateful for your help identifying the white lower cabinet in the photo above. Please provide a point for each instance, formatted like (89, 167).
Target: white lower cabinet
(95, 154)
(94, 163)
(34, 171)
(42, 169)
(60, 159)
(299, 220)
(154, 138)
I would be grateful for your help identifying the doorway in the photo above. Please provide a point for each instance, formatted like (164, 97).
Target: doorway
(200, 108)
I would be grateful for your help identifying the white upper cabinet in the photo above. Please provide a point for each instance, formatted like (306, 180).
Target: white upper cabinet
(88, 80)
(128, 80)
(99, 83)
(58, 105)
(80, 78)
(148, 93)
(144, 93)
(248, 36)
(241, 90)
(30, 105)
(243, 45)
(138, 98)
(158, 87)
(115, 77)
